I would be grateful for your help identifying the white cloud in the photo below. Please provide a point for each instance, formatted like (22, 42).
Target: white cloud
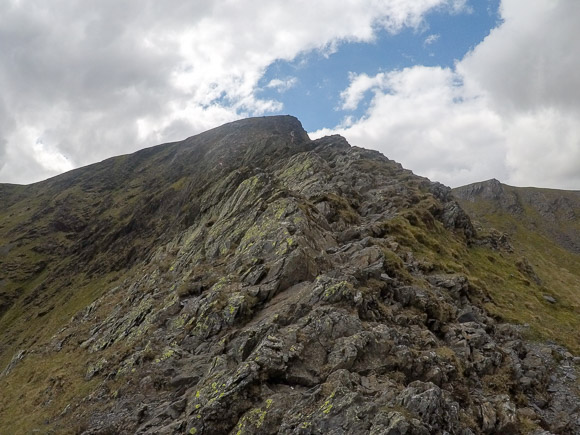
(360, 84)
(508, 110)
(282, 85)
(424, 118)
(100, 78)
(544, 148)
(51, 159)
(530, 60)
(431, 39)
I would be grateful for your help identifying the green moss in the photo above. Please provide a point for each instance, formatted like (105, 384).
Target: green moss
(338, 291)
(252, 420)
(344, 210)
(179, 321)
(298, 170)
(168, 353)
(179, 184)
(285, 246)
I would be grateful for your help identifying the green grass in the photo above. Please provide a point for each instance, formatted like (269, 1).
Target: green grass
(516, 297)
(39, 387)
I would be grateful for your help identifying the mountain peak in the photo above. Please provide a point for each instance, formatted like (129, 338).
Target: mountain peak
(489, 189)
(250, 140)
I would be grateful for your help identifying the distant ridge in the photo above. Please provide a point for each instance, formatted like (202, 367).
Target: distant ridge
(551, 212)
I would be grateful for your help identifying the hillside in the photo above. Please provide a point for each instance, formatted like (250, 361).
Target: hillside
(554, 214)
(543, 228)
(249, 280)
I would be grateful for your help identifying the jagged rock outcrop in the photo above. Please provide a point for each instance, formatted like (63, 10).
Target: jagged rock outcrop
(268, 283)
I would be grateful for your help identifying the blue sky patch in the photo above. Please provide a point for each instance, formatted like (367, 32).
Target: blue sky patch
(315, 96)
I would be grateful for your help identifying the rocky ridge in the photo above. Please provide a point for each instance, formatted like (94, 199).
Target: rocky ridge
(250, 280)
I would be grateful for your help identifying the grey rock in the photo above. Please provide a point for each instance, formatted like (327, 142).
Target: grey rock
(466, 316)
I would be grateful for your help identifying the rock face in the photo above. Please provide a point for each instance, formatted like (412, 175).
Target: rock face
(250, 280)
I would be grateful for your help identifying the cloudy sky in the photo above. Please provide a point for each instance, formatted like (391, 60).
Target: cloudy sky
(456, 90)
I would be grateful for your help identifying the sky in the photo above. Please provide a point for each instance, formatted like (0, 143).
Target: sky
(459, 91)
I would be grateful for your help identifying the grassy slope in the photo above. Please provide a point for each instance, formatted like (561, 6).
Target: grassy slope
(515, 295)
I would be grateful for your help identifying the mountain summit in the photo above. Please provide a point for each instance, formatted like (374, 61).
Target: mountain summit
(249, 280)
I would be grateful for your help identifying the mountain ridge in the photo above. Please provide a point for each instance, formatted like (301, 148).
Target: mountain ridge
(250, 280)
(552, 212)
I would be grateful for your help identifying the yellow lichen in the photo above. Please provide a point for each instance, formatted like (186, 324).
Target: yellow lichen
(326, 407)
(166, 355)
